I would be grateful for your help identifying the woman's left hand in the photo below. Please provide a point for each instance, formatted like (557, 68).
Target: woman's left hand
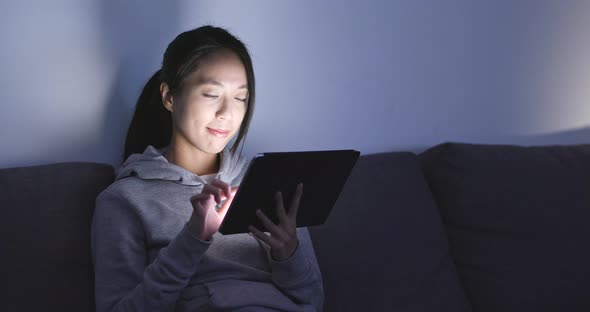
(283, 236)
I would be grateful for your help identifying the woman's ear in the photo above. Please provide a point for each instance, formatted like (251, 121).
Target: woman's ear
(166, 97)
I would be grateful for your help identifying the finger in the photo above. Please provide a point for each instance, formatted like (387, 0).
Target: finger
(280, 208)
(198, 198)
(215, 191)
(269, 225)
(203, 202)
(295, 202)
(222, 211)
(269, 240)
(226, 188)
(225, 207)
(230, 199)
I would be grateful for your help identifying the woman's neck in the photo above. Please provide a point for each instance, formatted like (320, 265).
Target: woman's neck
(192, 159)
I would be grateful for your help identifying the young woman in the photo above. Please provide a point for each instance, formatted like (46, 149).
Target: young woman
(155, 243)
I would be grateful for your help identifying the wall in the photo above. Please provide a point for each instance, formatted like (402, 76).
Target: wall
(371, 75)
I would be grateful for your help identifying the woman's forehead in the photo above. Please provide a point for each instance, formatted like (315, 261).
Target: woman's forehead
(223, 74)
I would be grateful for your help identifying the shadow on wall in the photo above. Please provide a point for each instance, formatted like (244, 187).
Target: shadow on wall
(137, 34)
(257, 144)
(575, 136)
(567, 137)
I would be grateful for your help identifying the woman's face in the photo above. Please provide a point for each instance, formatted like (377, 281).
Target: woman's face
(212, 105)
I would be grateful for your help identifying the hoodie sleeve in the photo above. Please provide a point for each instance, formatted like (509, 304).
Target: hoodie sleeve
(123, 279)
(299, 276)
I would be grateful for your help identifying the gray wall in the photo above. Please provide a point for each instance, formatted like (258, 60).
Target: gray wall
(371, 75)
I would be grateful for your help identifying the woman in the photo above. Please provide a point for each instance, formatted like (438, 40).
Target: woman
(155, 243)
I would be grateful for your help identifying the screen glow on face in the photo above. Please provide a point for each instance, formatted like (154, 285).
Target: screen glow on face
(213, 104)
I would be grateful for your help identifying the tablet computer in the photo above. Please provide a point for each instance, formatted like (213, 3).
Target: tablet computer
(323, 174)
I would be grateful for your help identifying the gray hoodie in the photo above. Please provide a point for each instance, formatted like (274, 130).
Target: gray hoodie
(146, 259)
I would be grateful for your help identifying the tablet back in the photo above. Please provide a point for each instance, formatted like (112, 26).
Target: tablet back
(323, 174)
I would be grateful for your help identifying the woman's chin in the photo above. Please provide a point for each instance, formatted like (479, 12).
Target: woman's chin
(215, 148)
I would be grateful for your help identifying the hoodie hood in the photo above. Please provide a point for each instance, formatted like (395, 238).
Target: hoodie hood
(152, 165)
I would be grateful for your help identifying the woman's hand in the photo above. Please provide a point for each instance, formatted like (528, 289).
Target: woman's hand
(205, 220)
(283, 236)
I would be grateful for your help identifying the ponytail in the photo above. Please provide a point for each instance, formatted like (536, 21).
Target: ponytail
(151, 123)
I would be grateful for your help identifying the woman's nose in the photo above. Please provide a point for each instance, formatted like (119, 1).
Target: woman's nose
(224, 111)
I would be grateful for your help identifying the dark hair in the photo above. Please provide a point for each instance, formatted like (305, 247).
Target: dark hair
(152, 122)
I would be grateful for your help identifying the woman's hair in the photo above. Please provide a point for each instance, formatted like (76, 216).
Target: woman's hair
(152, 122)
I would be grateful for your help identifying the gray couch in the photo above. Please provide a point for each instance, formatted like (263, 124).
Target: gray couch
(460, 227)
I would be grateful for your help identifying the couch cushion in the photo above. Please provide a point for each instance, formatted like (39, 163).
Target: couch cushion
(45, 215)
(517, 219)
(383, 247)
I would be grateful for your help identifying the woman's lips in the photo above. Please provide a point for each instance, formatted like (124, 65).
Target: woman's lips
(218, 132)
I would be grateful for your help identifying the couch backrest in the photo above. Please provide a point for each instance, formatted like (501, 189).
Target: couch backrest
(517, 219)
(45, 217)
(383, 247)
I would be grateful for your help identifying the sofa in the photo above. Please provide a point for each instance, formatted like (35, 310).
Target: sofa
(458, 227)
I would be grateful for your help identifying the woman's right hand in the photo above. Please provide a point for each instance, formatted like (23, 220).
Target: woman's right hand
(206, 220)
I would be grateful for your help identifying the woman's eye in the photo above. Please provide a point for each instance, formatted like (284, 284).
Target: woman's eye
(241, 100)
(210, 96)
